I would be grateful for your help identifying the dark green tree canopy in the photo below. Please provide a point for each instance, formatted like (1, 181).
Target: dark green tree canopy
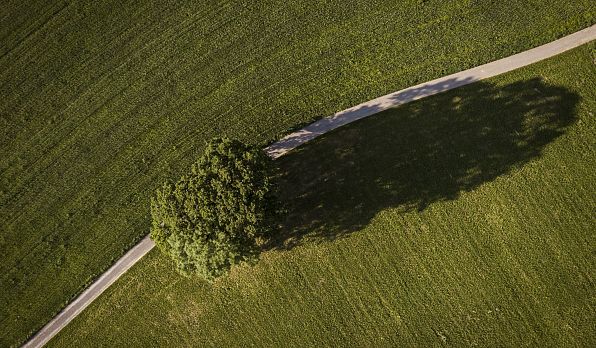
(214, 217)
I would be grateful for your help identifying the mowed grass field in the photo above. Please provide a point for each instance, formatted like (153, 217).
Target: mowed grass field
(102, 101)
(463, 219)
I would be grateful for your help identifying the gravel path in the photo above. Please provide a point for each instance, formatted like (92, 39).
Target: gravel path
(426, 89)
(314, 130)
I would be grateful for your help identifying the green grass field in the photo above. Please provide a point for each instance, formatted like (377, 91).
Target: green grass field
(463, 219)
(102, 101)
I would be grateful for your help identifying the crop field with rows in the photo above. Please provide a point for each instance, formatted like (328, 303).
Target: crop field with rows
(102, 101)
(463, 219)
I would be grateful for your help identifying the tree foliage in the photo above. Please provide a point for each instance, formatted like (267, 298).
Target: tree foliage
(214, 217)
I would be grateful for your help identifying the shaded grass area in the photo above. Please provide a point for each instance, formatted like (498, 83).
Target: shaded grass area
(418, 154)
(462, 219)
(101, 101)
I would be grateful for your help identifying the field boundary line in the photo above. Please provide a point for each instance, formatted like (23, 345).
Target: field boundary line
(313, 131)
(429, 88)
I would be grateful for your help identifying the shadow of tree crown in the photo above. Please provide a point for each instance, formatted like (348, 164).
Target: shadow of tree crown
(416, 154)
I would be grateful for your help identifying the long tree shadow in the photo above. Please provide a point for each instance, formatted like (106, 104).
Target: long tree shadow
(416, 154)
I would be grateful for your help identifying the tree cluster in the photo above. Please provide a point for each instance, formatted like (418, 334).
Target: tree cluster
(214, 217)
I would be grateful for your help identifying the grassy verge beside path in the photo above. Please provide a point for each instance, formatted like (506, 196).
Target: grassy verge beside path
(463, 219)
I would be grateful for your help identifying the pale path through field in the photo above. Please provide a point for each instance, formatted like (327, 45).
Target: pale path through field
(314, 130)
(429, 88)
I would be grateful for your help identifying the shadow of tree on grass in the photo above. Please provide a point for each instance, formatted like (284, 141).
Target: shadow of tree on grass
(416, 154)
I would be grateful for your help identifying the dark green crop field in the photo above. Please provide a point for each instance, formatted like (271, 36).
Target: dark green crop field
(101, 101)
(463, 219)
